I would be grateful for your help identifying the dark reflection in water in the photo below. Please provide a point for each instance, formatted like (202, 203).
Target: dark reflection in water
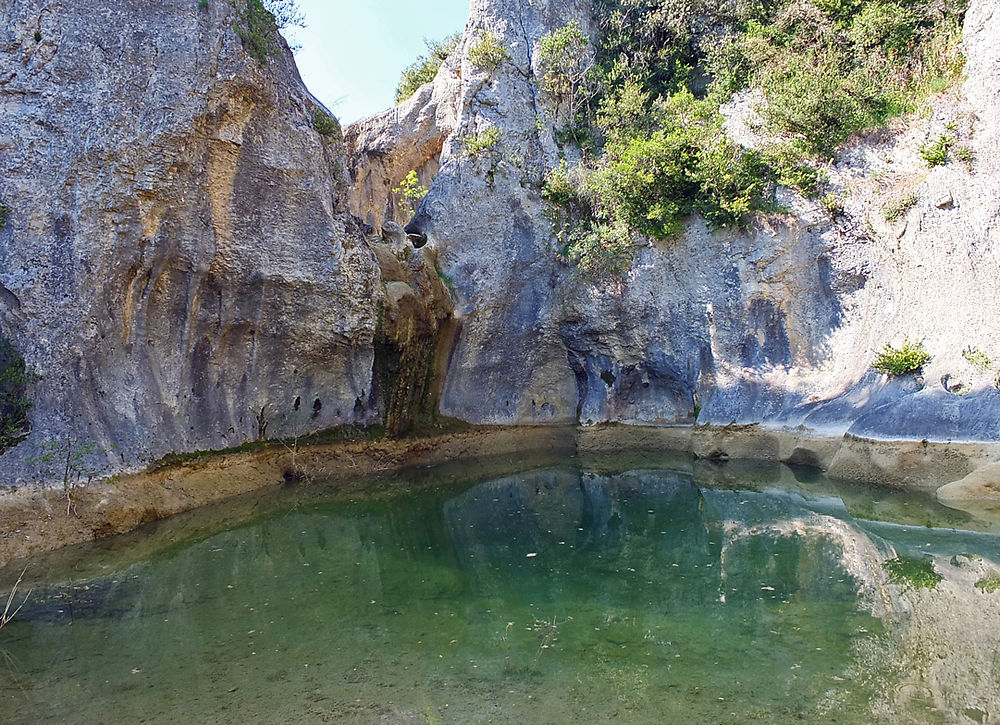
(545, 596)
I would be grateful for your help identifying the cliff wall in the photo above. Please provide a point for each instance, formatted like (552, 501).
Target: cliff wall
(178, 266)
(778, 325)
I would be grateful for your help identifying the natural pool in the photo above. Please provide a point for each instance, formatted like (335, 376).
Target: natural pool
(629, 590)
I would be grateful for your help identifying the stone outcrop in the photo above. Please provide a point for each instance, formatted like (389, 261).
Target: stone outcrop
(383, 149)
(778, 326)
(186, 267)
(179, 267)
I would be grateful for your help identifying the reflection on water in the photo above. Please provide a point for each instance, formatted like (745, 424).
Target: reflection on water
(549, 596)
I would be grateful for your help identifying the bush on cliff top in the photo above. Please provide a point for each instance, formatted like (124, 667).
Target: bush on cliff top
(259, 24)
(425, 67)
(649, 90)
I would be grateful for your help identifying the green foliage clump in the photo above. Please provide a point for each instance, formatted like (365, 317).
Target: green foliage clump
(259, 23)
(15, 377)
(5, 212)
(829, 69)
(935, 153)
(425, 67)
(895, 208)
(566, 63)
(645, 98)
(477, 143)
(965, 154)
(990, 583)
(488, 52)
(909, 357)
(325, 124)
(410, 191)
(913, 571)
(977, 359)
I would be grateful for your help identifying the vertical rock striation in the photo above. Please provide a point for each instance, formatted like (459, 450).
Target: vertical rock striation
(179, 267)
(778, 325)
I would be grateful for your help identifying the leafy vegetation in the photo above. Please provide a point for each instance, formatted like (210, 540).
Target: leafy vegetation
(409, 192)
(488, 52)
(895, 208)
(990, 583)
(484, 140)
(325, 124)
(425, 67)
(965, 154)
(935, 153)
(913, 571)
(15, 377)
(566, 66)
(977, 359)
(259, 23)
(909, 357)
(644, 102)
(5, 212)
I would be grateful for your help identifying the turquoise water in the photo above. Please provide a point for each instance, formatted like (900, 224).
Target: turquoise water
(554, 595)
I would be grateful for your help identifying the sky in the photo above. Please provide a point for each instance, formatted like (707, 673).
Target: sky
(354, 50)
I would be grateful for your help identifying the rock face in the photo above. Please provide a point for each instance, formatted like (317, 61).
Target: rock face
(179, 267)
(777, 326)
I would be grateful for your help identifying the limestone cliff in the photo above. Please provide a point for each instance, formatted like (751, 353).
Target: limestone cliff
(178, 266)
(776, 326)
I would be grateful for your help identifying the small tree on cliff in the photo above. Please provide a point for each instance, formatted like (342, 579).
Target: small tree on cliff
(259, 24)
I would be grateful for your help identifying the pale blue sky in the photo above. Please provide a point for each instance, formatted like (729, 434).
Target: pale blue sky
(354, 50)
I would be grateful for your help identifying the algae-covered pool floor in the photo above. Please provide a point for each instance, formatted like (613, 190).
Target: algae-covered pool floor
(549, 596)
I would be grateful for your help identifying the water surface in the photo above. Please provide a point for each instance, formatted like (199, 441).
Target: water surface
(571, 592)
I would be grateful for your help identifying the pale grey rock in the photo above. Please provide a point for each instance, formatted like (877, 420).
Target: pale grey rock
(179, 267)
(383, 149)
(778, 326)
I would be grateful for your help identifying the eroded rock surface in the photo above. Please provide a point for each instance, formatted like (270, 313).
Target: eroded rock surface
(178, 266)
(777, 326)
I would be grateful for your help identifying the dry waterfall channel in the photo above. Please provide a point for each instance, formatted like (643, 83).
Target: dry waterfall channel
(566, 396)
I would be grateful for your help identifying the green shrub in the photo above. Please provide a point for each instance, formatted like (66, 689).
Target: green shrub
(259, 23)
(912, 571)
(990, 583)
(15, 377)
(935, 153)
(965, 154)
(488, 52)
(910, 357)
(325, 124)
(410, 192)
(977, 359)
(5, 212)
(833, 204)
(566, 62)
(895, 208)
(646, 116)
(602, 253)
(787, 160)
(425, 67)
(483, 141)
(884, 26)
(558, 187)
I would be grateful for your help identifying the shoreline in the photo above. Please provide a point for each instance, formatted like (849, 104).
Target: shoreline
(34, 520)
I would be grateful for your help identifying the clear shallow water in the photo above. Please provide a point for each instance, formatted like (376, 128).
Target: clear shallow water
(549, 596)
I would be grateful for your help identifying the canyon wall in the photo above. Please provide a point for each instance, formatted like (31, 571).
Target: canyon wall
(178, 266)
(776, 326)
(189, 262)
